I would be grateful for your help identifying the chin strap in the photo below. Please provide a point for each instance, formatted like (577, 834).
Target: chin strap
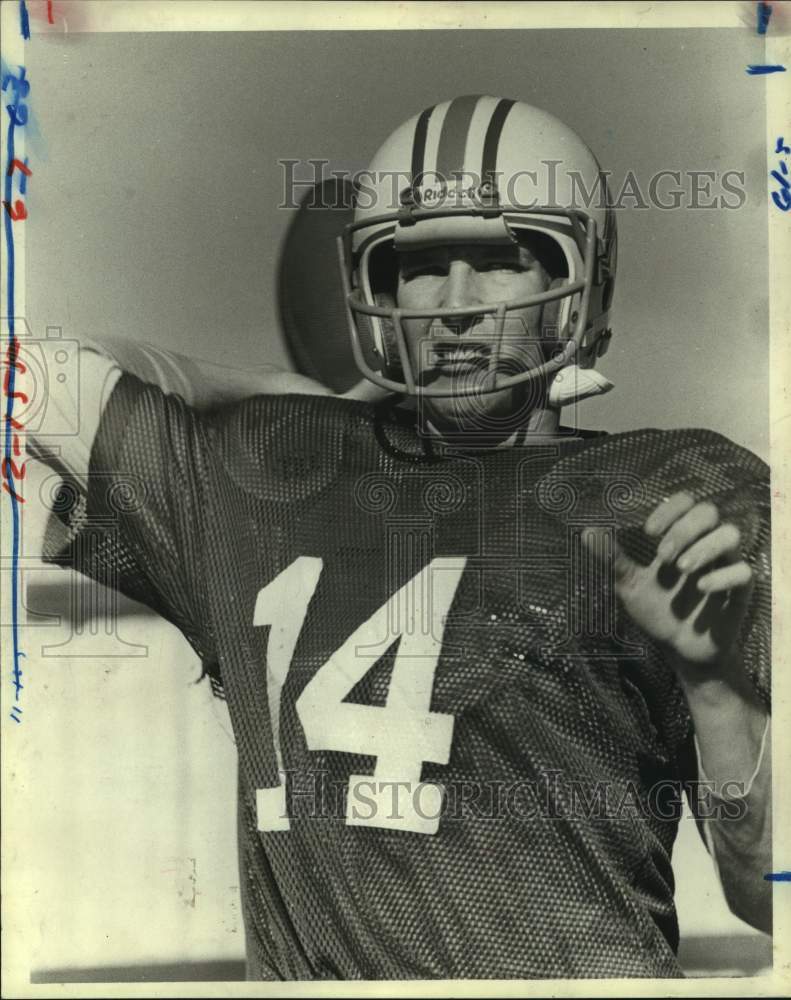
(572, 384)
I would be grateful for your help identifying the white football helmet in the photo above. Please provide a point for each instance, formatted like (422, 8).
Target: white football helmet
(479, 169)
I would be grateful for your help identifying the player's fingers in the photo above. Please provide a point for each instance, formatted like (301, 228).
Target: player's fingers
(667, 512)
(738, 574)
(723, 542)
(604, 546)
(701, 519)
(727, 624)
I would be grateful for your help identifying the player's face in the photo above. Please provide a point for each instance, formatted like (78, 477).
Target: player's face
(450, 352)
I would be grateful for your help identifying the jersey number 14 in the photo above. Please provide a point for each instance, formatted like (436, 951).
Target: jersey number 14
(402, 734)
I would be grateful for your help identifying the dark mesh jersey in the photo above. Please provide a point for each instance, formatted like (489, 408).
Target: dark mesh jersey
(481, 755)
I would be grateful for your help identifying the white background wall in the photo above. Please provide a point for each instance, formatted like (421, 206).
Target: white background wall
(153, 216)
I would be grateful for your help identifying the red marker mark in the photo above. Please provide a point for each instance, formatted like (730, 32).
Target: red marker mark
(9, 469)
(45, 10)
(7, 384)
(13, 493)
(17, 211)
(17, 471)
(18, 165)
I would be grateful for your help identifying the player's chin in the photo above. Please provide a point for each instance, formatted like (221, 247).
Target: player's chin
(490, 413)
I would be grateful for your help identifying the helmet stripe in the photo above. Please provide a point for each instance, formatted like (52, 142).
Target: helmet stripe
(453, 138)
(419, 143)
(492, 140)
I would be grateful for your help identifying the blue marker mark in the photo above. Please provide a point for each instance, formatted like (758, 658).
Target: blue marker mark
(23, 180)
(20, 88)
(19, 83)
(778, 877)
(24, 20)
(781, 197)
(764, 12)
(760, 70)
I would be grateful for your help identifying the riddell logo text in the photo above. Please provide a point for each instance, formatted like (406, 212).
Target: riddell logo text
(451, 195)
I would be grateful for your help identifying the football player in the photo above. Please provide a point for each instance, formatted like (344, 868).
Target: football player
(472, 657)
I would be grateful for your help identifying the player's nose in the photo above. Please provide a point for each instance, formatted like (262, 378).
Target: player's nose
(459, 291)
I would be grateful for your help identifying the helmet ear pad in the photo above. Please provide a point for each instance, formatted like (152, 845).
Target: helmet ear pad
(382, 280)
(550, 320)
(392, 363)
(555, 334)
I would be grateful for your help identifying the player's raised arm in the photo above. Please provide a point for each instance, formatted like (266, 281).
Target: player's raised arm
(73, 402)
(65, 389)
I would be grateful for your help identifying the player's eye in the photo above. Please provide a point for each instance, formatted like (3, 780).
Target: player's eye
(421, 269)
(504, 267)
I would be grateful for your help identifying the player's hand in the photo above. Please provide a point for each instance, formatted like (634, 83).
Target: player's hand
(694, 595)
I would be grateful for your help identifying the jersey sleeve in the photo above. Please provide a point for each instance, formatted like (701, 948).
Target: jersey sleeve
(138, 529)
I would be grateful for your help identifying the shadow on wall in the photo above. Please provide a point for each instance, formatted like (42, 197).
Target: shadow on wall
(69, 599)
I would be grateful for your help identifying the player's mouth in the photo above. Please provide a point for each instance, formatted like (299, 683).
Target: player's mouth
(454, 358)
